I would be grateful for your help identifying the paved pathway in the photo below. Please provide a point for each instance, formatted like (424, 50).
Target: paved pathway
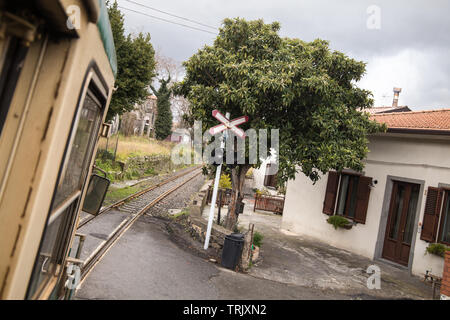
(306, 262)
(145, 264)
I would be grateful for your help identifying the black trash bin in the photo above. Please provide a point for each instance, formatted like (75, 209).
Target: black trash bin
(232, 250)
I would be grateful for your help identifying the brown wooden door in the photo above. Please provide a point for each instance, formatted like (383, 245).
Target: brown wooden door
(400, 224)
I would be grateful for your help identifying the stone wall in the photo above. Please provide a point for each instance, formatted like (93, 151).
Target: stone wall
(197, 227)
(146, 165)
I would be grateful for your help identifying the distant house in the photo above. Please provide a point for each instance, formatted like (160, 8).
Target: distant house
(399, 203)
(179, 136)
(141, 120)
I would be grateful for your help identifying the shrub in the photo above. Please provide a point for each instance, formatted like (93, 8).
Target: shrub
(338, 221)
(150, 171)
(225, 181)
(257, 239)
(437, 249)
(282, 189)
(104, 155)
(109, 167)
(262, 191)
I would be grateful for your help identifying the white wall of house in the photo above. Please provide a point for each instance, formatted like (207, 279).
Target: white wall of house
(391, 156)
(259, 174)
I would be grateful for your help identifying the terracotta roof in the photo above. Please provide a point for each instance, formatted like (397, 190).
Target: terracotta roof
(416, 120)
(386, 109)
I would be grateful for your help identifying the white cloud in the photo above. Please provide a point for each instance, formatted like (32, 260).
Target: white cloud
(424, 83)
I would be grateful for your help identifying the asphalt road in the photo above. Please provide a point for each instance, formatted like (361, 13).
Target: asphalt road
(145, 264)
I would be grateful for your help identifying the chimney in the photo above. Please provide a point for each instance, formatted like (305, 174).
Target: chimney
(396, 93)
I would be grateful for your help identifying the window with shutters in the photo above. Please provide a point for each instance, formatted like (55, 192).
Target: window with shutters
(436, 215)
(352, 193)
(270, 180)
(444, 233)
(348, 188)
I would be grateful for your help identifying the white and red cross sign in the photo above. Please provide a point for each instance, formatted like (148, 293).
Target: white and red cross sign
(228, 124)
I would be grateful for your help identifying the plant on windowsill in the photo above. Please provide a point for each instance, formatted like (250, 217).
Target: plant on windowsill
(437, 249)
(339, 222)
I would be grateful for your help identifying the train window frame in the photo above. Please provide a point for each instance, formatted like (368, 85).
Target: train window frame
(94, 88)
(12, 58)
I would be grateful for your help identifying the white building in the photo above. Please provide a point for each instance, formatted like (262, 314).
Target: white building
(398, 205)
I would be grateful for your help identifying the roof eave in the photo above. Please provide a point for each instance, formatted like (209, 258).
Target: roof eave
(420, 131)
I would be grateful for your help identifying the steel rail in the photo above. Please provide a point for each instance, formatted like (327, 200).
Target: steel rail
(133, 196)
(92, 261)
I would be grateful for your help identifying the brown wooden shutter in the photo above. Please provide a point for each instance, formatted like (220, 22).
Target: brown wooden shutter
(431, 214)
(331, 192)
(362, 199)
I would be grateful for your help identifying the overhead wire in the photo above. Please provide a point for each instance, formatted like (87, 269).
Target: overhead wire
(172, 15)
(166, 20)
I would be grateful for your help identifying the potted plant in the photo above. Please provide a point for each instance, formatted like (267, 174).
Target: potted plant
(437, 249)
(340, 222)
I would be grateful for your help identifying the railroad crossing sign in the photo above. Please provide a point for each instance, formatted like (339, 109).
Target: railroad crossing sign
(228, 124)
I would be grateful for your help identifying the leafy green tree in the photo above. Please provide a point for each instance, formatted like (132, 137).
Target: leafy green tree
(135, 65)
(163, 122)
(303, 89)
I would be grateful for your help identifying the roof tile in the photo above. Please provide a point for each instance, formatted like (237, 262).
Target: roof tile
(431, 119)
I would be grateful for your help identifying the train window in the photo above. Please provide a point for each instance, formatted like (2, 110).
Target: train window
(75, 175)
(12, 59)
(75, 167)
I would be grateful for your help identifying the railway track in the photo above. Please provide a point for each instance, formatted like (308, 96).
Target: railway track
(125, 201)
(133, 206)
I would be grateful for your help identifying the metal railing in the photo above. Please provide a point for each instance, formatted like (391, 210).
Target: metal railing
(269, 203)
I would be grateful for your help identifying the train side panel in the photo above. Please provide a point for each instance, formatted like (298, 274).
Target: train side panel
(42, 145)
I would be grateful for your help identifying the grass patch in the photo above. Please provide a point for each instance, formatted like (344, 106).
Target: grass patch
(257, 239)
(115, 194)
(134, 146)
(180, 214)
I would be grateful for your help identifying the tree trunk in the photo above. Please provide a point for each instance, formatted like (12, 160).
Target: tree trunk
(237, 182)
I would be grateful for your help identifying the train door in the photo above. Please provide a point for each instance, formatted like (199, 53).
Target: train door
(74, 168)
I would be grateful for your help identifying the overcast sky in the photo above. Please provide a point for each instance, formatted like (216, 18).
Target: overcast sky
(407, 47)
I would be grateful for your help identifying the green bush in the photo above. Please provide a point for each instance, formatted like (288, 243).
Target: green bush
(257, 239)
(338, 221)
(437, 249)
(282, 189)
(150, 171)
(262, 191)
(104, 155)
(225, 181)
(109, 167)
